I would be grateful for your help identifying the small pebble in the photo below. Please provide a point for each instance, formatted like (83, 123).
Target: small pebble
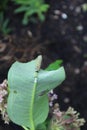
(78, 9)
(29, 33)
(66, 100)
(57, 12)
(77, 71)
(85, 63)
(79, 28)
(64, 16)
(55, 17)
(85, 38)
(71, 7)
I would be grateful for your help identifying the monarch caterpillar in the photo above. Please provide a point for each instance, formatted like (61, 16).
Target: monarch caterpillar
(38, 64)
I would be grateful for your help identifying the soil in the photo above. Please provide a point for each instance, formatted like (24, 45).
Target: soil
(63, 35)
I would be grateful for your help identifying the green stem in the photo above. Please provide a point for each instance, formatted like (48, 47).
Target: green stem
(32, 101)
(39, 59)
(25, 128)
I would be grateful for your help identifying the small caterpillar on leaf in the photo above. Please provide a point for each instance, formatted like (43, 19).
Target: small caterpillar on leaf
(38, 64)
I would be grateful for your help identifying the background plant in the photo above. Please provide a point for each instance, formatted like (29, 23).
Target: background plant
(65, 120)
(4, 29)
(31, 7)
(84, 7)
(3, 5)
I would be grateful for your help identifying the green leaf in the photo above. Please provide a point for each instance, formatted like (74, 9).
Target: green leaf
(41, 16)
(41, 127)
(26, 16)
(21, 9)
(1, 18)
(5, 23)
(44, 7)
(84, 7)
(55, 65)
(26, 107)
(22, 2)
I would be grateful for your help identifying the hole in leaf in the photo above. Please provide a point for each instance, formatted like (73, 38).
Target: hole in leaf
(15, 91)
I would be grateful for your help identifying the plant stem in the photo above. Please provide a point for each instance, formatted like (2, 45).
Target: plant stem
(38, 65)
(25, 128)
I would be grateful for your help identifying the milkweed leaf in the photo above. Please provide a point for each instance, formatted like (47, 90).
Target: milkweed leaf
(26, 107)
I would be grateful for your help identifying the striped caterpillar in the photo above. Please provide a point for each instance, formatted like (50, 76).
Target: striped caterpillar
(38, 64)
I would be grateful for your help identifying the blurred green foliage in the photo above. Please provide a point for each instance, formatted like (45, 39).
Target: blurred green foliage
(3, 4)
(55, 65)
(84, 7)
(4, 29)
(31, 7)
